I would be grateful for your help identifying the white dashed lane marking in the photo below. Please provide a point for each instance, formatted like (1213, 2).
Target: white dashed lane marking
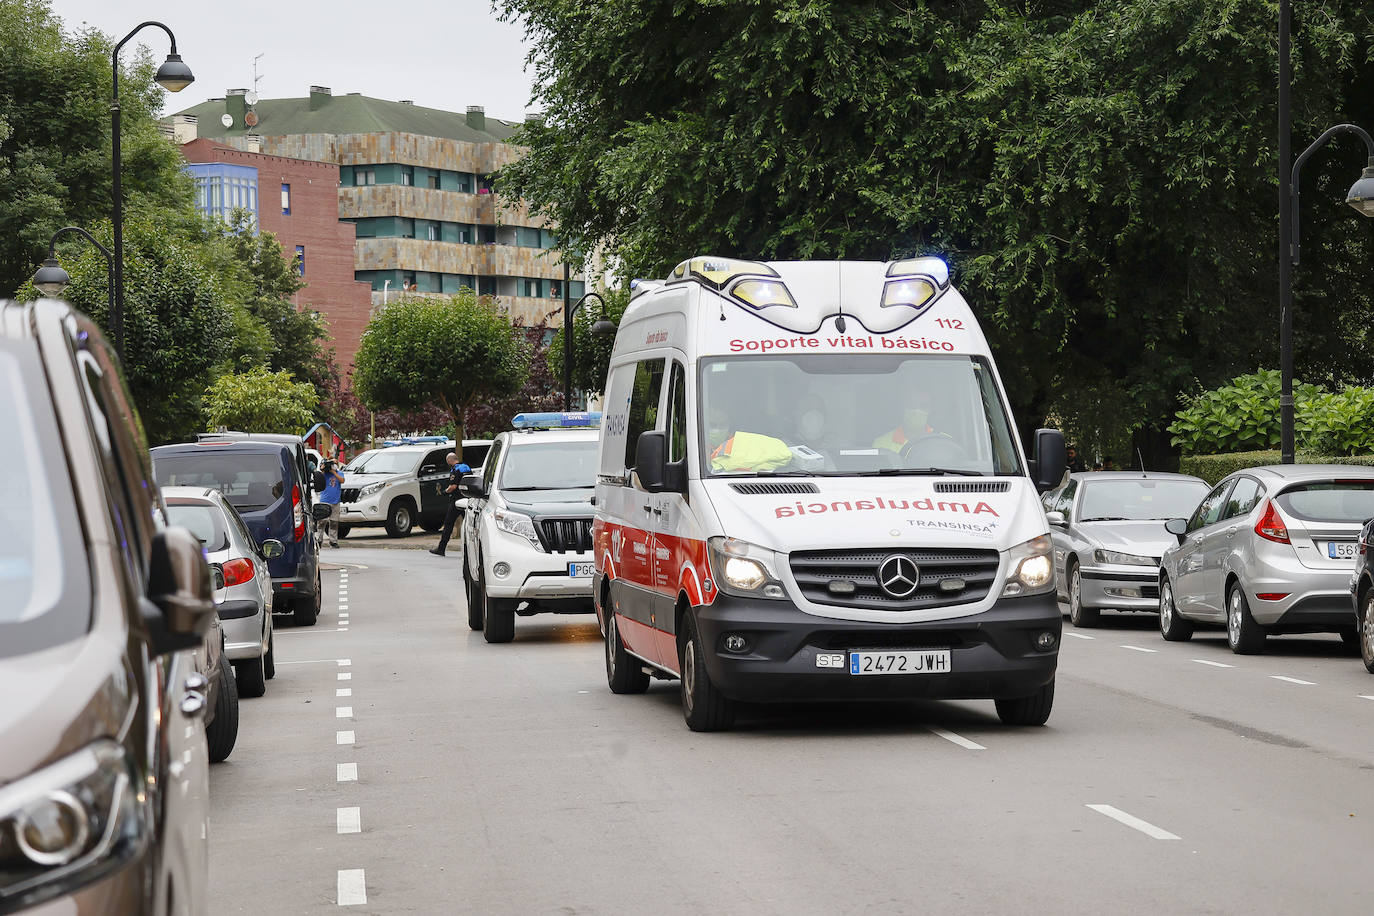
(1079, 635)
(343, 737)
(1134, 823)
(956, 739)
(352, 887)
(343, 691)
(344, 662)
(1139, 649)
(343, 712)
(346, 772)
(345, 675)
(1293, 680)
(1203, 661)
(349, 820)
(1365, 696)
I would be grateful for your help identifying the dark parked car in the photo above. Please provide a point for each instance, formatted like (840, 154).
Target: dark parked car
(103, 771)
(261, 480)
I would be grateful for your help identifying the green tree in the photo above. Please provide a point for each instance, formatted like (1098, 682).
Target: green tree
(259, 401)
(591, 354)
(454, 352)
(1101, 176)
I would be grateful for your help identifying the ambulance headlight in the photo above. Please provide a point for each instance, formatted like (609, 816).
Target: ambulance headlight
(744, 569)
(913, 292)
(760, 294)
(1032, 570)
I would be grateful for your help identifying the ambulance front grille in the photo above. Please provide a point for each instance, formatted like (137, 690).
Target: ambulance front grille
(565, 535)
(815, 570)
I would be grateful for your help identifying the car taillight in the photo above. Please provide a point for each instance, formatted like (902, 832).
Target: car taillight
(237, 572)
(298, 513)
(1270, 526)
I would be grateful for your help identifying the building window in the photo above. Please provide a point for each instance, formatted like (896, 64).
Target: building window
(300, 260)
(434, 232)
(286, 200)
(407, 176)
(434, 181)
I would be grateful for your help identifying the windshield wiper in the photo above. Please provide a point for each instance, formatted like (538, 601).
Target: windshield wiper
(1108, 518)
(920, 472)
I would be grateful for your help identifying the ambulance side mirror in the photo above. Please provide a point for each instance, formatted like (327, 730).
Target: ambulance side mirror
(1047, 467)
(655, 472)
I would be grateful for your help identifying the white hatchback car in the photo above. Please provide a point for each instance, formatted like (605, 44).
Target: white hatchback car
(246, 607)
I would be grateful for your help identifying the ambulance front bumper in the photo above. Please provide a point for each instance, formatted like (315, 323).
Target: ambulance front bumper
(790, 655)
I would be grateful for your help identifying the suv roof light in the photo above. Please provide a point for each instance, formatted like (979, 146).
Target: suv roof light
(556, 420)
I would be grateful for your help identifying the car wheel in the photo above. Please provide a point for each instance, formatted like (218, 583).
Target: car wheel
(704, 707)
(1031, 710)
(476, 611)
(1171, 626)
(269, 661)
(498, 623)
(1243, 635)
(1367, 633)
(624, 673)
(344, 529)
(1079, 615)
(251, 678)
(400, 518)
(308, 608)
(223, 730)
(432, 525)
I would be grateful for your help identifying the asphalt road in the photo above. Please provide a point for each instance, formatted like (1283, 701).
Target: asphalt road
(399, 764)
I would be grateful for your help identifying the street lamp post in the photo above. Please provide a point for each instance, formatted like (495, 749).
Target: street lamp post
(601, 328)
(173, 76)
(51, 279)
(1361, 197)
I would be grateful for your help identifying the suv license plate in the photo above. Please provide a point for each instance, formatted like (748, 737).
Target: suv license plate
(581, 570)
(934, 661)
(1341, 550)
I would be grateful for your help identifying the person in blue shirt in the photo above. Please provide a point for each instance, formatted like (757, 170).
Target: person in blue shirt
(333, 493)
(456, 471)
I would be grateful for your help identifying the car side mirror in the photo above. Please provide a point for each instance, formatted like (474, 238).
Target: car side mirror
(1057, 519)
(1050, 461)
(179, 608)
(321, 511)
(1178, 527)
(273, 548)
(471, 486)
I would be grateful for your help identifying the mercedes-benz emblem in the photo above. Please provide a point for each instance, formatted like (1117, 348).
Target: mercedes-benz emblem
(898, 575)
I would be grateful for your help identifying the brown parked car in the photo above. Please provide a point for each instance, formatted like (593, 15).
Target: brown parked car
(103, 608)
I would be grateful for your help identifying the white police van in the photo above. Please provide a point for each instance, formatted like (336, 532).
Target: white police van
(527, 528)
(810, 488)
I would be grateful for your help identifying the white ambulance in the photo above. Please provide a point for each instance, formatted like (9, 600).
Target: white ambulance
(810, 488)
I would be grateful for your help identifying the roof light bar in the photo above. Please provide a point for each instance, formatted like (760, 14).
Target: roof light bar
(556, 420)
(718, 272)
(932, 267)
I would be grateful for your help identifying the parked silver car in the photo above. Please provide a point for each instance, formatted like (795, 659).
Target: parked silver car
(1269, 550)
(1108, 532)
(245, 608)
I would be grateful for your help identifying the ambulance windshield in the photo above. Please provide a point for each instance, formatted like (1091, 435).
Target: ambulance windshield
(834, 414)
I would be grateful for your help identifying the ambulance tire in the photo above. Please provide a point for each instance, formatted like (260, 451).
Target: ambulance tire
(1031, 710)
(704, 707)
(624, 672)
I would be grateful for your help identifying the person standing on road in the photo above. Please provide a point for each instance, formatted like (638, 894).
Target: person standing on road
(333, 493)
(455, 474)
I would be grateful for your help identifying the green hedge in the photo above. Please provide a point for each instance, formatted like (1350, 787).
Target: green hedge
(1212, 468)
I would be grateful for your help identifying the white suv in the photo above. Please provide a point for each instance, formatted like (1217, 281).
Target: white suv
(402, 486)
(527, 533)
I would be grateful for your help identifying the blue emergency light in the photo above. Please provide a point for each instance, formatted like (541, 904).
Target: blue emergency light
(555, 420)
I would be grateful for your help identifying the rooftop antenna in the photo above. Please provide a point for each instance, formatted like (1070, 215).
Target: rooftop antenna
(839, 320)
(1141, 459)
(256, 77)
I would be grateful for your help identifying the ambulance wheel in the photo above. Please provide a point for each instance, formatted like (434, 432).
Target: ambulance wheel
(1031, 710)
(704, 707)
(624, 673)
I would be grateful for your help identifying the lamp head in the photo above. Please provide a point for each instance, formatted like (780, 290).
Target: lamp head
(174, 75)
(1361, 195)
(603, 327)
(51, 279)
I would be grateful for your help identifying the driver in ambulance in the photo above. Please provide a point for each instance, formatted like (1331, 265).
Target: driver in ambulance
(915, 422)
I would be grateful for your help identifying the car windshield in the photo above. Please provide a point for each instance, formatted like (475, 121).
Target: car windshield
(1330, 501)
(549, 466)
(204, 520)
(841, 414)
(249, 481)
(1139, 500)
(385, 461)
(43, 574)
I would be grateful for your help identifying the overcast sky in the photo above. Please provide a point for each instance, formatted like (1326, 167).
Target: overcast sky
(445, 54)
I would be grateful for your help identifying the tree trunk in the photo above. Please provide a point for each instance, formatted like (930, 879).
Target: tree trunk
(457, 415)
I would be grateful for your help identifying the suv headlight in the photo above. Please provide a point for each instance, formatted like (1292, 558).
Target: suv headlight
(1032, 570)
(744, 569)
(518, 524)
(1123, 559)
(69, 824)
(371, 489)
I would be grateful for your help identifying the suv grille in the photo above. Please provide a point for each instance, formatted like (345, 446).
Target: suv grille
(350, 494)
(814, 570)
(566, 535)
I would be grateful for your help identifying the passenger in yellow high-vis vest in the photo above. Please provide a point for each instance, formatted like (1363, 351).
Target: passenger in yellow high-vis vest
(750, 452)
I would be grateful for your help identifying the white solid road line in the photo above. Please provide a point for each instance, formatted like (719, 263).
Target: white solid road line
(346, 772)
(343, 712)
(343, 737)
(956, 739)
(1135, 823)
(352, 887)
(345, 675)
(349, 820)
(1203, 661)
(308, 661)
(343, 691)
(1079, 635)
(1293, 680)
(1139, 649)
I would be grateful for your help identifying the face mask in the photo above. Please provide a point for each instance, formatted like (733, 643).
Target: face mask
(914, 422)
(812, 422)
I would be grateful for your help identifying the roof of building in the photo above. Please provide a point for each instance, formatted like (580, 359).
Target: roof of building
(348, 114)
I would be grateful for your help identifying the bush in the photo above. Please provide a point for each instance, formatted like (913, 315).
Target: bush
(1241, 415)
(1213, 468)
